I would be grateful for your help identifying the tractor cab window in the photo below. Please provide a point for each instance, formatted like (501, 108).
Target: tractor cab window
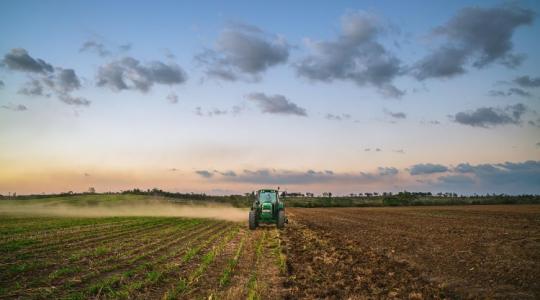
(267, 197)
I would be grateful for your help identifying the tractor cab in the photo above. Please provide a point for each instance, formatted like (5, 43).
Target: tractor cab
(267, 208)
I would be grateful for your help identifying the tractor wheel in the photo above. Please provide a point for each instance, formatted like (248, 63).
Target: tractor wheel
(281, 219)
(252, 220)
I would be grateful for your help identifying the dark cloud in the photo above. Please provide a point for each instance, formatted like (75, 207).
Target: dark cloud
(243, 52)
(527, 82)
(72, 100)
(67, 80)
(172, 98)
(520, 177)
(226, 173)
(519, 92)
(14, 107)
(510, 92)
(341, 117)
(276, 104)
(421, 169)
(355, 55)
(33, 88)
(96, 47)
(284, 177)
(534, 123)
(538, 144)
(490, 116)
(446, 61)
(387, 171)
(475, 35)
(2, 84)
(129, 74)
(19, 60)
(497, 93)
(395, 115)
(204, 173)
(378, 149)
(456, 180)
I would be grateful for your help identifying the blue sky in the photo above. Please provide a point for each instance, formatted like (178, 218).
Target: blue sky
(226, 97)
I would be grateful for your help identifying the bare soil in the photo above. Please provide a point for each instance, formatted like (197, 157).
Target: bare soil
(414, 252)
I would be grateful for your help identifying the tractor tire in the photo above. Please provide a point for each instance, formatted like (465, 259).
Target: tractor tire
(281, 219)
(252, 220)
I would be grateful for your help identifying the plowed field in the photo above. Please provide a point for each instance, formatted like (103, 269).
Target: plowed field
(414, 253)
(333, 253)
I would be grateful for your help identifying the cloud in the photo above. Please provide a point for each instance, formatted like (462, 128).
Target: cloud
(172, 98)
(101, 50)
(519, 92)
(204, 173)
(395, 115)
(520, 177)
(421, 169)
(355, 55)
(243, 52)
(480, 36)
(59, 81)
(400, 151)
(456, 180)
(129, 74)
(387, 171)
(527, 82)
(209, 113)
(72, 100)
(378, 150)
(510, 92)
(14, 107)
(19, 60)
(93, 46)
(67, 80)
(125, 47)
(333, 117)
(490, 116)
(538, 144)
(227, 173)
(32, 88)
(276, 104)
(2, 84)
(287, 177)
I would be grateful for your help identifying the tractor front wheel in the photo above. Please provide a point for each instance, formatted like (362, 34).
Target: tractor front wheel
(281, 219)
(252, 220)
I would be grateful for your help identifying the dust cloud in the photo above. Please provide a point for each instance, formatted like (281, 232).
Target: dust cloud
(149, 209)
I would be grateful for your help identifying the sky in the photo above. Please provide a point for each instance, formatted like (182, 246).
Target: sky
(226, 97)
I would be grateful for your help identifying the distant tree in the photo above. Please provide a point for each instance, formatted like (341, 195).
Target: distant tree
(91, 190)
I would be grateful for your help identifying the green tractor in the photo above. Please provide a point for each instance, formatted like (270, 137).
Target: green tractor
(267, 208)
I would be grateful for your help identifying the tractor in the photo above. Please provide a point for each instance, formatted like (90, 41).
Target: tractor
(267, 208)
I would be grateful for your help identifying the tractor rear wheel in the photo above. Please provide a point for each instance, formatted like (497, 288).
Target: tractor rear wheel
(281, 219)
(252, 220)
